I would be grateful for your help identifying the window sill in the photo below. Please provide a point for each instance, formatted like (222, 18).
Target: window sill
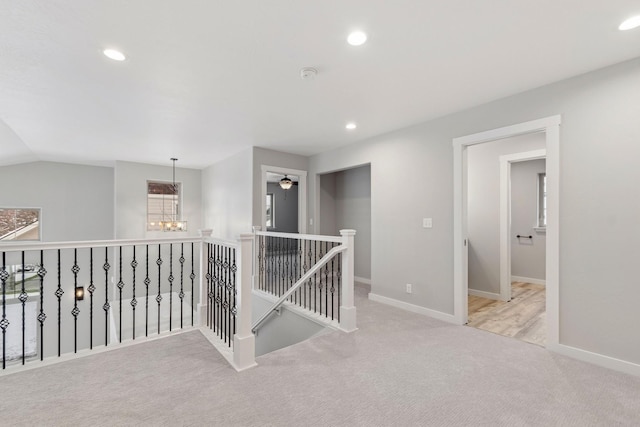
(541, 230)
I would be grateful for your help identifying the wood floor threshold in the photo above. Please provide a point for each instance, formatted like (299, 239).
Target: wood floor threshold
(523, 317)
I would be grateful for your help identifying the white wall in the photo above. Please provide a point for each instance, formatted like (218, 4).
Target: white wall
(76, 200)
(599, 203)
(483, 195)
(227, 196)
(527, 255)
(131, 199)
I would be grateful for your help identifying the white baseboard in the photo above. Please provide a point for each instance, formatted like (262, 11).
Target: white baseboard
(529, 280)
(362, 280)
(483, 294)
(597, 359)
(413, 308)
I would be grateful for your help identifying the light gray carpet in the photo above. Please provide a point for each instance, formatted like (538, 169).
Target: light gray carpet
(399, 369)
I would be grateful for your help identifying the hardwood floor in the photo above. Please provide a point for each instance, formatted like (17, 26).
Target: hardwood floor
(522, 318)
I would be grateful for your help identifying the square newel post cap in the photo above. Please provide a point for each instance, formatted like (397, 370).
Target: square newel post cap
(205, 232)
(348, 232)
(256, 228)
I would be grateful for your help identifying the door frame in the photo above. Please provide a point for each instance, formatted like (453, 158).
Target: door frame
(505, 214)
(302, 195)
(551, 127)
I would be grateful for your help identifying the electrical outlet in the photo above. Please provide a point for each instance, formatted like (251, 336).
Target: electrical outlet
(409, 288)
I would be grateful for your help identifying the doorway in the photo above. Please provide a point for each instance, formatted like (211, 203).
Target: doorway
(550, 127)
(282, 210)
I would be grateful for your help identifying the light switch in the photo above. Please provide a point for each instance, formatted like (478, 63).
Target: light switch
(427, 222)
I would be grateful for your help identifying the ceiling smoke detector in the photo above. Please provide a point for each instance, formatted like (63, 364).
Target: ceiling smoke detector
(308, 73)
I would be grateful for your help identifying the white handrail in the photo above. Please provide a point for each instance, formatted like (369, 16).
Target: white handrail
(325, 259)
(16, 247)
(336, 239)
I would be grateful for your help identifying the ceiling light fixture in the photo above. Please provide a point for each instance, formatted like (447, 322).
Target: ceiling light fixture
(116, 55)
(351, 126)
(630, 23)
(357, 38)
(286, 183)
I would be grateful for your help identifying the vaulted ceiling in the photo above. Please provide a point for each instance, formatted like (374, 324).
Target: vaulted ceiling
(204, 79)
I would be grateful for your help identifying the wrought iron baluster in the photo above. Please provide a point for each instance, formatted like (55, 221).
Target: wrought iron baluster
(234, 309)
(134, 301)
(181, 294)
(147, 282)
(309, 283)
(91, 289)
(223, 295)
(4, 323)
(228, 297)
(170, 285)
(339, 280)
(159, 296)
(59, 292)
(333, 288)
(41, 316)
(315, 277)
(120, 286)
(192, 276)
(75, 269)
(106, 305)
(326, 283)
(209, 290)
(23, 299)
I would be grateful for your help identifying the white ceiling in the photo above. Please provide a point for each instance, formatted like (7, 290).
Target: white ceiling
(205, 79)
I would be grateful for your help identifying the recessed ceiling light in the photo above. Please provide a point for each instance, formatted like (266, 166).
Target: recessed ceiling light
(357, 38)
(116, 55)
(630, 23)
(351, 126)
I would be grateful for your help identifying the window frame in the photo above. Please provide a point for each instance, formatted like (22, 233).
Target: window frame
(3, 238)
(270, 220)
(170, 216)
(541, 221)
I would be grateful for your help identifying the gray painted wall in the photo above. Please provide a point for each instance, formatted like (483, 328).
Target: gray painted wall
(483, 196)
(76, 200)
(598, 235)
(527, 255)
(227, 196)
(326, 217)
(131, 199)
(285, 208)
(353, 211)
(345, 203)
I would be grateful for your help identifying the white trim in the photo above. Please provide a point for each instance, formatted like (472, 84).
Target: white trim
(505, 215)
(413, 308)
(483, 294)
(302, 195)
(529, 280)
(551, 127)
(361, 280)
(597, 359)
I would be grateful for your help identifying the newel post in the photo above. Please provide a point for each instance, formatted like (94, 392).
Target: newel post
(348, 309)
(204, 262)
(244, 346)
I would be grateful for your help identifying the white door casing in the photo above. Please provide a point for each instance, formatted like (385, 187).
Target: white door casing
(551, 127)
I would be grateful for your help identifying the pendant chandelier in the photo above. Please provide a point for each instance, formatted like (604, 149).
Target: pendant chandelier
(173, 222)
